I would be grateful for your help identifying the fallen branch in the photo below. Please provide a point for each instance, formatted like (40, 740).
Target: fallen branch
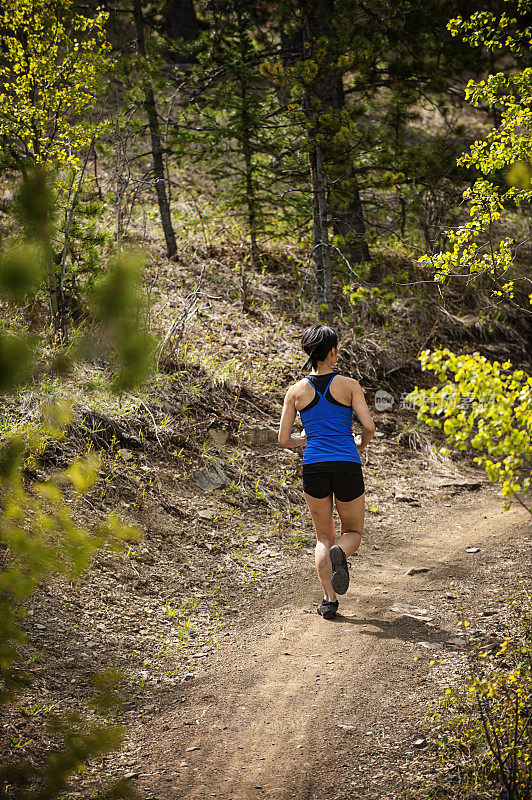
(177, 328)
(143, 404)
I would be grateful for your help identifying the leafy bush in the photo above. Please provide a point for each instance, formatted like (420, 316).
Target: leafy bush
(486, 406)
(483, 731)
(371, 302)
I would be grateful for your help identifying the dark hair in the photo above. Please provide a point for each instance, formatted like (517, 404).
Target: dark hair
(317, 342)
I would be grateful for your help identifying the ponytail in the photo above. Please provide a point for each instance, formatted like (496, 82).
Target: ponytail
(317, 342)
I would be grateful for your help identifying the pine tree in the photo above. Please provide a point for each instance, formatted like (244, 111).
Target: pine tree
(352, 75)
(227, 126)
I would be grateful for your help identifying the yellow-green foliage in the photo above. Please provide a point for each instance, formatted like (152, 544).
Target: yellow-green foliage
(53, 60)
(484, 730)
(41, 538)
(120, 308)
(484, 405)
(507, 148)
(373, 297)
(39, 535)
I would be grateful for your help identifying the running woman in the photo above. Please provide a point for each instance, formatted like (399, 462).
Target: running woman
(325, 401)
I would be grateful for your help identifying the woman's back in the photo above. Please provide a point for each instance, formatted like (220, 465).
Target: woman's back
(328, 424)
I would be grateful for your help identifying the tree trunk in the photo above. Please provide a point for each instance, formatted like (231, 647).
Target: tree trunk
(54, 298)
(316, 24)
(57, 306)
(320, 232)
(317, 250)
(155, 136)
(62, 274)
(349, 223)
(250, 199)
(250, 189)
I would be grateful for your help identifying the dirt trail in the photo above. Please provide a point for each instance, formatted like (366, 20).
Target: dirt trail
(292, 706)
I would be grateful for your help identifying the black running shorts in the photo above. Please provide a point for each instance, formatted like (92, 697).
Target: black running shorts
(342, 478)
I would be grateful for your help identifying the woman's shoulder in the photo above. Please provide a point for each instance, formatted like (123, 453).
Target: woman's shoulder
(345, 378)
(296, 386)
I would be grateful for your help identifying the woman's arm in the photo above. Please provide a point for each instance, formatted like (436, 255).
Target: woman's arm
(287, 420)
(362, 411)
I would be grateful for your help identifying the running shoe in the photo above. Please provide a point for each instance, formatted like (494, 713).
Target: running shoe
(340, 575)
(328, 608)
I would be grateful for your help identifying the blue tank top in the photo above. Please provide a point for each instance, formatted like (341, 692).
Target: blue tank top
(329, 431)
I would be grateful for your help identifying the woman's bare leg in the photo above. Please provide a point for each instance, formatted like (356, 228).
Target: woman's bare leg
(352, 522)
(321, 511)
